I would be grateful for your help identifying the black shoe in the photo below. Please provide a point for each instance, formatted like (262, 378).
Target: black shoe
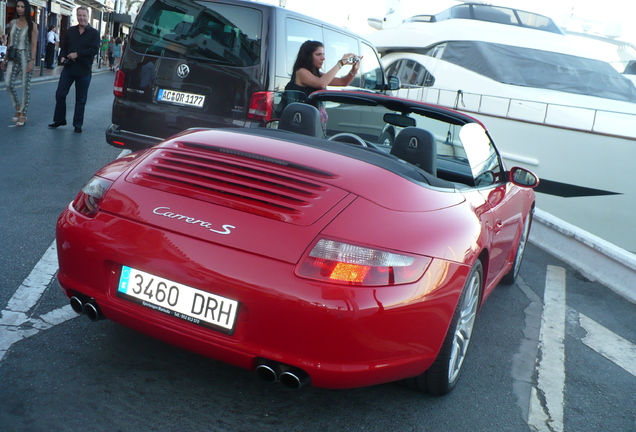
(78, 129)
(57, 124)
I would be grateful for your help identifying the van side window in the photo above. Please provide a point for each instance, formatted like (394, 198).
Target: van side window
(218, 33)
(337, 45)
(297, 33)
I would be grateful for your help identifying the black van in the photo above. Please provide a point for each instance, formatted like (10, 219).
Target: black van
(216, 64)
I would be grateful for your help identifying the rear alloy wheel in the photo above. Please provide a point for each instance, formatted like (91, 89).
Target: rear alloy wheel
(510, 277)
(444, 373)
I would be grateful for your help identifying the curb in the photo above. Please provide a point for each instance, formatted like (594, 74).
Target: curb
(597, 259)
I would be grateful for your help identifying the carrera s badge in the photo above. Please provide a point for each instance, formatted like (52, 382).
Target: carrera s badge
(165, 211)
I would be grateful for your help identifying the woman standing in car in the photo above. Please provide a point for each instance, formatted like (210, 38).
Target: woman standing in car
(23, 37)
(306, 75)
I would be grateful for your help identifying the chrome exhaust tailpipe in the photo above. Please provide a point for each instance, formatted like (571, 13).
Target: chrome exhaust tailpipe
(267, 373)
(77, 304)
(289, 376)
(294, 378)
(92, 311)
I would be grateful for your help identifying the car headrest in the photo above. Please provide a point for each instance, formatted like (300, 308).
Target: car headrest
(301, 118)
(418, 147)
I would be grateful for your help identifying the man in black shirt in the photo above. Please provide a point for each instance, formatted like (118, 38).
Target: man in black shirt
(79, 48)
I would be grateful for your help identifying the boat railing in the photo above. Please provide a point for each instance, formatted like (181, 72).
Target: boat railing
(596, 121)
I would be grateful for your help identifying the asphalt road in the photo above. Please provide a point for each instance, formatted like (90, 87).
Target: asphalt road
(554, 352)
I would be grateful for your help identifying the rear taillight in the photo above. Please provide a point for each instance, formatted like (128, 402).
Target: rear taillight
(118, 87)
(88, 200)
(261, 107)
(339, 262)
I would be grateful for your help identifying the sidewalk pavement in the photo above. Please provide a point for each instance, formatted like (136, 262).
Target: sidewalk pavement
(41, 73)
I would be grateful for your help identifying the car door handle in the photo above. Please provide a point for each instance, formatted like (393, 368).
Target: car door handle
(498, 225)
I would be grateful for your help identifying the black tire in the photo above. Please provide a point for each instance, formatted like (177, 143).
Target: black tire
(510, 277)
(444, 373)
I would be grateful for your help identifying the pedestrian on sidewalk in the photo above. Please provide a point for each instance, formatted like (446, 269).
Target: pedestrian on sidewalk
(79, 48)
(111, 49)
(104, 48)
(23, 37)
(52, 42)
(117, 52)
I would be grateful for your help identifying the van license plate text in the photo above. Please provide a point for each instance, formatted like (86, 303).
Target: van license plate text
(180, 98)
(181, 301)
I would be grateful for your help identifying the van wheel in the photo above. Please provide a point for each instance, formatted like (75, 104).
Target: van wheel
(386, 139)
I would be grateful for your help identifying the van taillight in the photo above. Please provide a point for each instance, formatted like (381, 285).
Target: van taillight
(261, 106)
(118, 88)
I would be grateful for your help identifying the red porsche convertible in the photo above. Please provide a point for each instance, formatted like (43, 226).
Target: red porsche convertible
(348, 244)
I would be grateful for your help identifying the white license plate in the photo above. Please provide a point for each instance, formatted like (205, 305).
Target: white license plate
(180, 98)
(181, 301)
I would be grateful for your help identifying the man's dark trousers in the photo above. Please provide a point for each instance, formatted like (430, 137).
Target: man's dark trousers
(81, 95)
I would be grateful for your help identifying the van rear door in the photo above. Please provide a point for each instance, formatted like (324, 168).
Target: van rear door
(191, 64)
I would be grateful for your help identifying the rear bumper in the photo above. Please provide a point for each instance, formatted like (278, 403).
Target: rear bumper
(129, 140)
(341, 336)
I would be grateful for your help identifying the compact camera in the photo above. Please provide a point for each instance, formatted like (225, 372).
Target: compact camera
(353, 59)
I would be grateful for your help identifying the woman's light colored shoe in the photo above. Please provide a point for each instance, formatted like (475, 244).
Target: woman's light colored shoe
(16, 115)
(21, 120)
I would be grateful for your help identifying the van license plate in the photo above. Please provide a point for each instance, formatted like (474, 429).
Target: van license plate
(181, 301)
(180, 98)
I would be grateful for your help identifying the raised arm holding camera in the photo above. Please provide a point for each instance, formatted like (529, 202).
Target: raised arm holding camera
(307, 77)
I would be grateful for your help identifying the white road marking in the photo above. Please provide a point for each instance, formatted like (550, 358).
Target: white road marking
(546, 408)
(608, 344)
(15, 324)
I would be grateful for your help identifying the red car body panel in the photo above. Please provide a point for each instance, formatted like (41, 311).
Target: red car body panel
(246, 247)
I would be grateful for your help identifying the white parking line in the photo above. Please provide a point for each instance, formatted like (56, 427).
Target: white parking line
(15, 324)
(546, 408)
(608, 344)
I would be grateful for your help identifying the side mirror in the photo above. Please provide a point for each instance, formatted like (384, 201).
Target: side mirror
(394, 83)
(522, 177)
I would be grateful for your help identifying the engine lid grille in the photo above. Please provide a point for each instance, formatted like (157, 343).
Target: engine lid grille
(245, 181)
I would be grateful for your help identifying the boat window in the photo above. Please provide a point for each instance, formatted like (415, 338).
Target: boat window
(501, 15)
(538, 22)
(411, 73)
(540, 69)
(494, 14)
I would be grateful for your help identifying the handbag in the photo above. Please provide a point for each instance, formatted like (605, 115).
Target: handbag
(11, 52)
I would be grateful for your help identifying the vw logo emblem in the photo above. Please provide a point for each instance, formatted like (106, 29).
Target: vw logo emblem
(183, 70)
(413, 143)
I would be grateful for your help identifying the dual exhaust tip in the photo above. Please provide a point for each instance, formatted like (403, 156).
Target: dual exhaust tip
(84, 305)
(289, 376)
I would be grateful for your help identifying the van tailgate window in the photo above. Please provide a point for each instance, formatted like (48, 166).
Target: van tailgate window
(218, 33)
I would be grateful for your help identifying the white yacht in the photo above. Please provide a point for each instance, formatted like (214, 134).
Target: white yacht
(550, 107)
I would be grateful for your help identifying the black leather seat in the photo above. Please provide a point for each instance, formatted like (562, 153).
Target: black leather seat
(418, 147)
(301, 118)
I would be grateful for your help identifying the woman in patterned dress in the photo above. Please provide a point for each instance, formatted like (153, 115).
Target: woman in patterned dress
(23, 35)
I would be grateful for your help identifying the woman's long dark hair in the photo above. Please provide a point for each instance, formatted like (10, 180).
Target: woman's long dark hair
(27, 16)
(305, 58)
